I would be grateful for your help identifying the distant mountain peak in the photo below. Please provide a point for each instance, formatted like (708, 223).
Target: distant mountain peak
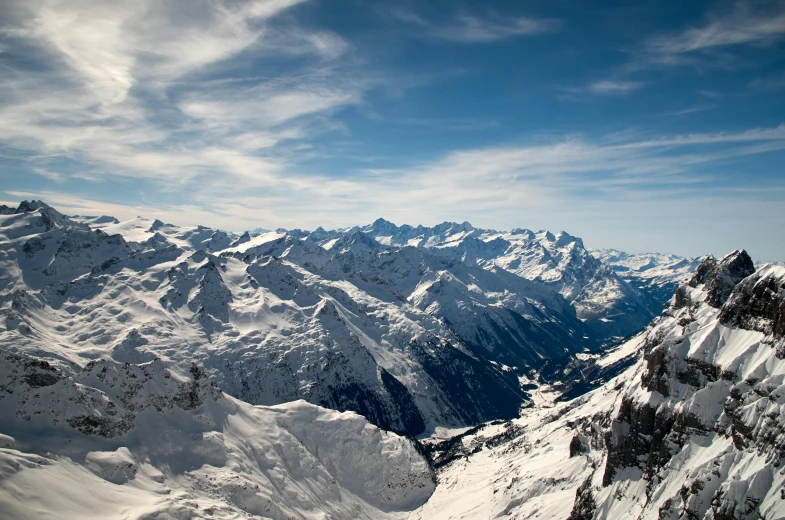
(156, 225)
(528, 233)
(27, 206)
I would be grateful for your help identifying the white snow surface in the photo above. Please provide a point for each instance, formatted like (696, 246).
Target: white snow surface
(106, 418)
(650, 268)
(273, 317)
(212, 457)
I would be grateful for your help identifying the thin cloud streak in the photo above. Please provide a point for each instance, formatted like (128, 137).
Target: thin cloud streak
(748, 23)
(614, 87)
(472, 28)
(740, 28)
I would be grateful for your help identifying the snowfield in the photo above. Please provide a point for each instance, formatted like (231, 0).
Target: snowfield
(156, 371)
(145, 443)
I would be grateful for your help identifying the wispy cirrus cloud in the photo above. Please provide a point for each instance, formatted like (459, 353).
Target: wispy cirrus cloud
(709, 43)
(746, 23)
(148, 89)
(213, 111)
(609, 87)
(740, 27)
(474, 28)
(769, 84)
(614, 87)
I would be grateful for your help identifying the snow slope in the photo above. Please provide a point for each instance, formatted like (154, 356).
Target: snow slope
(119, 340)
(693, 430)
(656, 274)
(140, 441)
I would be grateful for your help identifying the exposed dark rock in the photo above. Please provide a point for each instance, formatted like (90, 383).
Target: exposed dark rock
(442, 453)
(703, 271)
(27, 206)
(245, 237)
(681, 299)
(101, 399)
(637, 437)
(758, 303)
(51, 218)
(404, 403)
(732, 269)
(156, 225)
(477, 391)
(33, 246)
(577, 447)
(102, 426)
(655, 377)
(36, 372)
(585, 505)
(699, 373)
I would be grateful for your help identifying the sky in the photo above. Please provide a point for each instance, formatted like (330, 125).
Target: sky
(641, 126)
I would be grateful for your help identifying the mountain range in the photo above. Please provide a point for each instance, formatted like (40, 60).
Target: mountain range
(413, 328)
(286, 373)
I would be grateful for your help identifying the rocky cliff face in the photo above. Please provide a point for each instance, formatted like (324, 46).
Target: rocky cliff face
(705, 377)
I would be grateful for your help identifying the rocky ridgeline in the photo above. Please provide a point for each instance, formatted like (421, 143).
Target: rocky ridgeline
(693, 386)
(694, 429)
(102, 399)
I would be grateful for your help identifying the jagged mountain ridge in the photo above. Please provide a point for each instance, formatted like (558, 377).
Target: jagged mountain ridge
(609, 304)
(655, 274)
(392, 334)
(410, 337)
(693, 430)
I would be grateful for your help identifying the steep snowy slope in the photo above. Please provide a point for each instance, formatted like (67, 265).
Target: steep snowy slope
(694, 430)
(410, 338)
(122, 440)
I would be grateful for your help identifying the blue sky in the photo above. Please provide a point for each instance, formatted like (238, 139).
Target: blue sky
(644, 126)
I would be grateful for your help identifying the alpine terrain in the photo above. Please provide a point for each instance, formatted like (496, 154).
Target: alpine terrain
(157, 371)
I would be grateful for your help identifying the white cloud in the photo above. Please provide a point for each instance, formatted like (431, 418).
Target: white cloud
(157, 91)
(747, 23)
(597, 189)
(129, 88)
(268, 107)
(472, 28)
(734, 30)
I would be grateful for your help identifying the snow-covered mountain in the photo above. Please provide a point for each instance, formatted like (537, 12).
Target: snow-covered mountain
(410, 338)
(458, 327)
(694, 429)
(654, 274)
(120, 440)
(132, 355)
(608, 304)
